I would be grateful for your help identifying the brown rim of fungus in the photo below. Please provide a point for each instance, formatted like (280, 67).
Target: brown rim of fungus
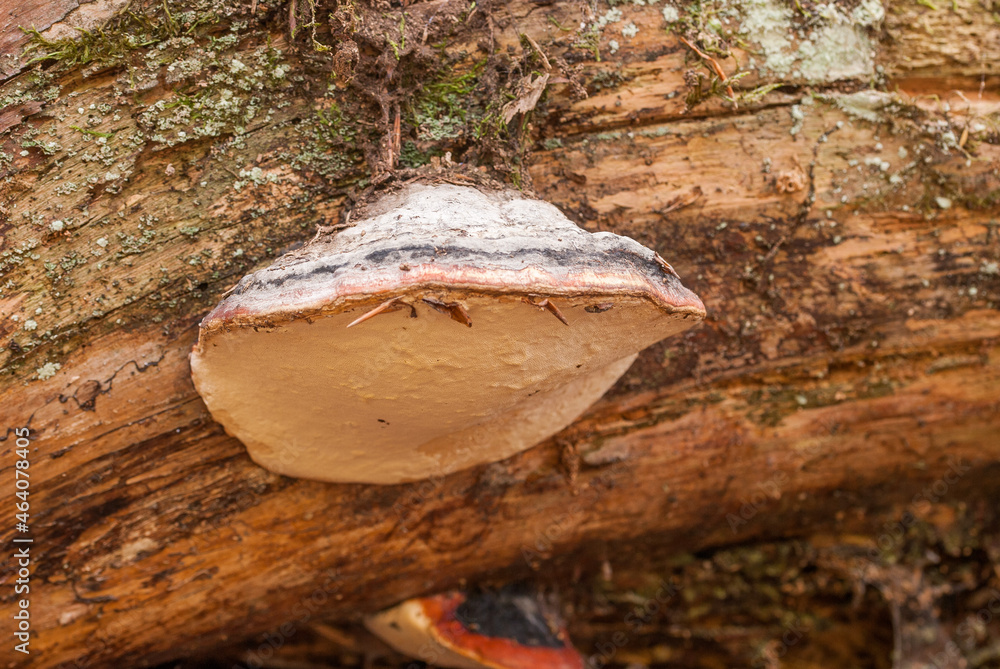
(451, 327)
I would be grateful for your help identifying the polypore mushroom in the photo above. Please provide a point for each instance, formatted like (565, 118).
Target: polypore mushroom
(450, 328)
(507, 629)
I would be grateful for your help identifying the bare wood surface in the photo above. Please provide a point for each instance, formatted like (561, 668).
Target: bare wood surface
(849, 361)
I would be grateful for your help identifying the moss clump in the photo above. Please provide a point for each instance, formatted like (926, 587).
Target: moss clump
(110, 44)
(400, 45)
(411, 156)
(590, 41)
(443, 107)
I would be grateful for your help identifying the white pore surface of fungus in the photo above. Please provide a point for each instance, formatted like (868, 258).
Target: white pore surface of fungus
(465, 364)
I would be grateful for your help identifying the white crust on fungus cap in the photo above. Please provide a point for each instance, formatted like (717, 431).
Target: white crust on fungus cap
(411, 393)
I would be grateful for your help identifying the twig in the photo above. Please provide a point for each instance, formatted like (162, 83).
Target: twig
(396, 140)
(385, 306)
(324, 229)
(716, 67)
(538, 50)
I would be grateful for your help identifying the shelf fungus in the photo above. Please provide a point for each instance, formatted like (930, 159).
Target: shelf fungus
(450, 328)
(512, 628)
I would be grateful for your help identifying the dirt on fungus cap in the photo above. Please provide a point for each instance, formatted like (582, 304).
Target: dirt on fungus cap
(450, 328)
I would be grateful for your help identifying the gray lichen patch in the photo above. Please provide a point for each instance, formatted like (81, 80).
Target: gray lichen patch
(83, 181)
(868, 105)
(217, 92)
(47, 371)
(778, 40)
(84, 251)
(832, 42)
(738, 51)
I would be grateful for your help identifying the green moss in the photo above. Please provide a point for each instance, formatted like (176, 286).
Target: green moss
(558, 25)
(444, 105)
(220, 84)
(121, 35)
(771, 405)
(400, 46)
(971, 200)
(410, 155)
(590, 41)
(491, 124)
(312, 25)
(93, 133)
(515, 176)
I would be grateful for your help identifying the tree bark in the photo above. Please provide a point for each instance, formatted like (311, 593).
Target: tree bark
(840, 227)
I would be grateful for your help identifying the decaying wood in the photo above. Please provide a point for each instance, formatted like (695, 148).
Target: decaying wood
(847, 252)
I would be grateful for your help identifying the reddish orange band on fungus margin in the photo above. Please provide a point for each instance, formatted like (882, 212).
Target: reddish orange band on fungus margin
(494, 651)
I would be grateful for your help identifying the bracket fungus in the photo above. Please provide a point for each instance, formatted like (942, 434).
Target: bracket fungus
(452, 327)
(512, 628)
